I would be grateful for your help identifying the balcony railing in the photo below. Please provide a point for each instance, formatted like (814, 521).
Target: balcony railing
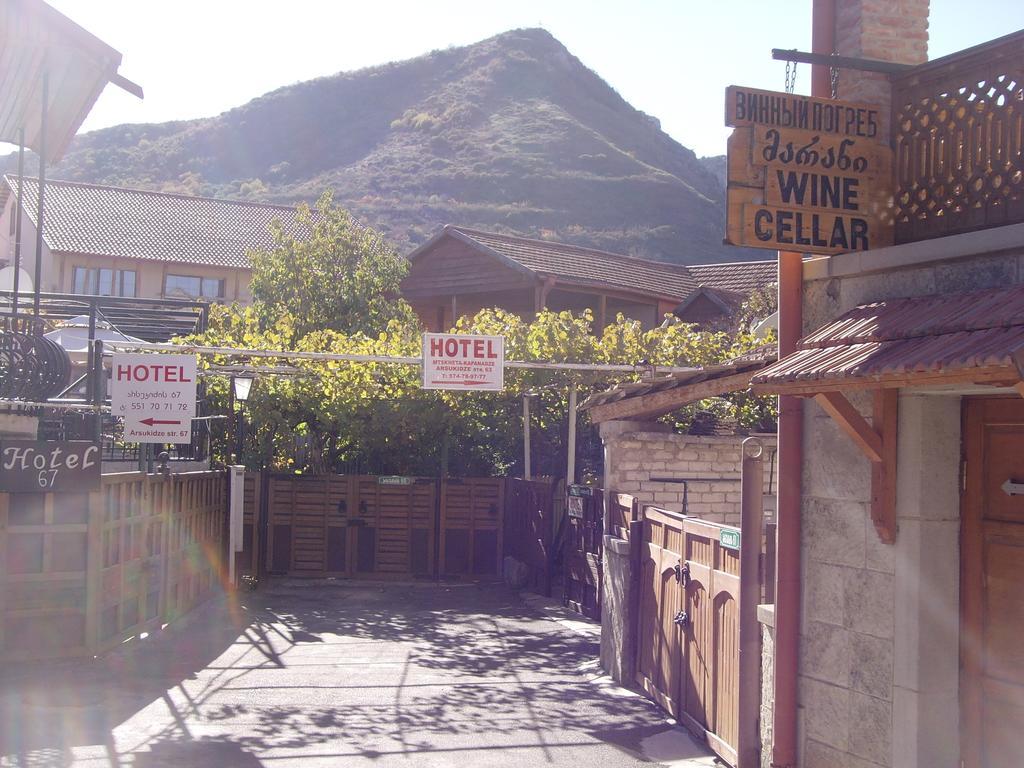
(958, 125)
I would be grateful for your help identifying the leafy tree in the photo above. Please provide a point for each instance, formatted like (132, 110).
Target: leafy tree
(375, 417)
(328, 273)
(330, 285)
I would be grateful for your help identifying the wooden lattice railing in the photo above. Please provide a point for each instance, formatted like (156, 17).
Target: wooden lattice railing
(958, 136)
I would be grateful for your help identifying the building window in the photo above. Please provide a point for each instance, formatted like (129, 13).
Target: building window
(192, 287)
(92, 281)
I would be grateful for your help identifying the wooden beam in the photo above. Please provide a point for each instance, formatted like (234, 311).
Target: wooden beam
(659, 403)
(885, 415)
(852, 423)
(1019, 386)
(1003, 375)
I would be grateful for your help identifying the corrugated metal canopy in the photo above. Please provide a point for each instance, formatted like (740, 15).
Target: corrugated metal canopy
(923, 341)
(36, 40)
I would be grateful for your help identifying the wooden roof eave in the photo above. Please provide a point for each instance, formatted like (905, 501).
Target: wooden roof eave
(1002, 375)
(579, 285)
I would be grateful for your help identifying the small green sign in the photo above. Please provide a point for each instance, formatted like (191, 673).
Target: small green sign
(395, 480)
(581, 490)
(728, 538)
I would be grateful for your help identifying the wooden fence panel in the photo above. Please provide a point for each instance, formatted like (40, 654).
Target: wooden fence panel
(44, 556)
(195, 542)
(80, 572)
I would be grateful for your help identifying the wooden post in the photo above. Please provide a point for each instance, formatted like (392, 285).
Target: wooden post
(5, 500)
(637, 547)
(94, 570)
(752, 501)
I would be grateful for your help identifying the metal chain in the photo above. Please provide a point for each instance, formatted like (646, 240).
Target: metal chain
(833, 76)
(790, 76)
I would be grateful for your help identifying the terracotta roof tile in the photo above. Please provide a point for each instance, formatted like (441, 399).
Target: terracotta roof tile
(740, 277)
(137, 224)
(587, 266)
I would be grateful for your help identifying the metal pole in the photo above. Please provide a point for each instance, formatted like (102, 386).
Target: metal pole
(199, 349)
(42, 187)
(570, 471)
(18, 208)
(90, 385)
(526, 437)
(95, 394)
(230, 447)
(751, 512)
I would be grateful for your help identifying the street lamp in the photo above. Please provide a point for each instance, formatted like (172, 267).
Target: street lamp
(240, 388)
(242, 385)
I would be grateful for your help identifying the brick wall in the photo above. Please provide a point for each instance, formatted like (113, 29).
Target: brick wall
(683, 473)
(885, 30)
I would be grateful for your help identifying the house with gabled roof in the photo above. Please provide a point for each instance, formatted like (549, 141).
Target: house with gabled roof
(114, 241)
(460, 271)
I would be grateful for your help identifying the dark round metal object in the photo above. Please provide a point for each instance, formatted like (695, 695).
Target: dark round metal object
(32, 368)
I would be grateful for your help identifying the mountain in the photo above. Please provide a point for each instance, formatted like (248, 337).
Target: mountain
(511, 134)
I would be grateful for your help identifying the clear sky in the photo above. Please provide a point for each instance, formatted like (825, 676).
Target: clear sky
(669, 58)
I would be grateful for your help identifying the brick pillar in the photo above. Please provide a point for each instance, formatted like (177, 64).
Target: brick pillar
(887, 30)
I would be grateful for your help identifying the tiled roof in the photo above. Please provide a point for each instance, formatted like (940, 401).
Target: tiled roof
(136, 224)
(903, 340)
(586, 266)
(739, 277)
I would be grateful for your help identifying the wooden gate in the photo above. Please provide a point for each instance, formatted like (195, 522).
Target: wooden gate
(688, 640)
(529, 530)
(471, 526)
(384, 527)
(581, 583)
(351, 525)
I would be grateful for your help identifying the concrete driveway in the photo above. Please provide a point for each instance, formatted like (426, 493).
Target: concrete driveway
(331, 674)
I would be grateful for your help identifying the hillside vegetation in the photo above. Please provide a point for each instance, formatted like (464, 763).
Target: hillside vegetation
(512, 134)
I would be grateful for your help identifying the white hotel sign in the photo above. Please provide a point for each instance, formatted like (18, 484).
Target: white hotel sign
(463, 362)
(156, 395)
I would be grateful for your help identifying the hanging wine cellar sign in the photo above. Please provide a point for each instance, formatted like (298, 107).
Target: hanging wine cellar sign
(807, 175)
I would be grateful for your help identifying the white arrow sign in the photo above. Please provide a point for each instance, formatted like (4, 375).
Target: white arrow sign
(1011, 488)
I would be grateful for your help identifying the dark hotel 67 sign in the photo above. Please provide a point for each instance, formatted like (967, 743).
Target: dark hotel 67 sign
(31, 466)
(807, 175)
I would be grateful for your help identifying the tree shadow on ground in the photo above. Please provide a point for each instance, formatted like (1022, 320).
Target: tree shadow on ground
(473, 668)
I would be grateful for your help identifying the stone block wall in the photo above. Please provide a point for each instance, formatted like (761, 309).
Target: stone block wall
(879, 639)
(766, 616)
(682, 473)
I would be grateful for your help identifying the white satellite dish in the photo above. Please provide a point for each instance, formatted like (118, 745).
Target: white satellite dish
(7, 280)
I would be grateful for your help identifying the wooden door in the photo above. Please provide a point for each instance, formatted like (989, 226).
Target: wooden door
(688, 640)
(661, 600)
(709, 695)
(992, 585)
(582, 551)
